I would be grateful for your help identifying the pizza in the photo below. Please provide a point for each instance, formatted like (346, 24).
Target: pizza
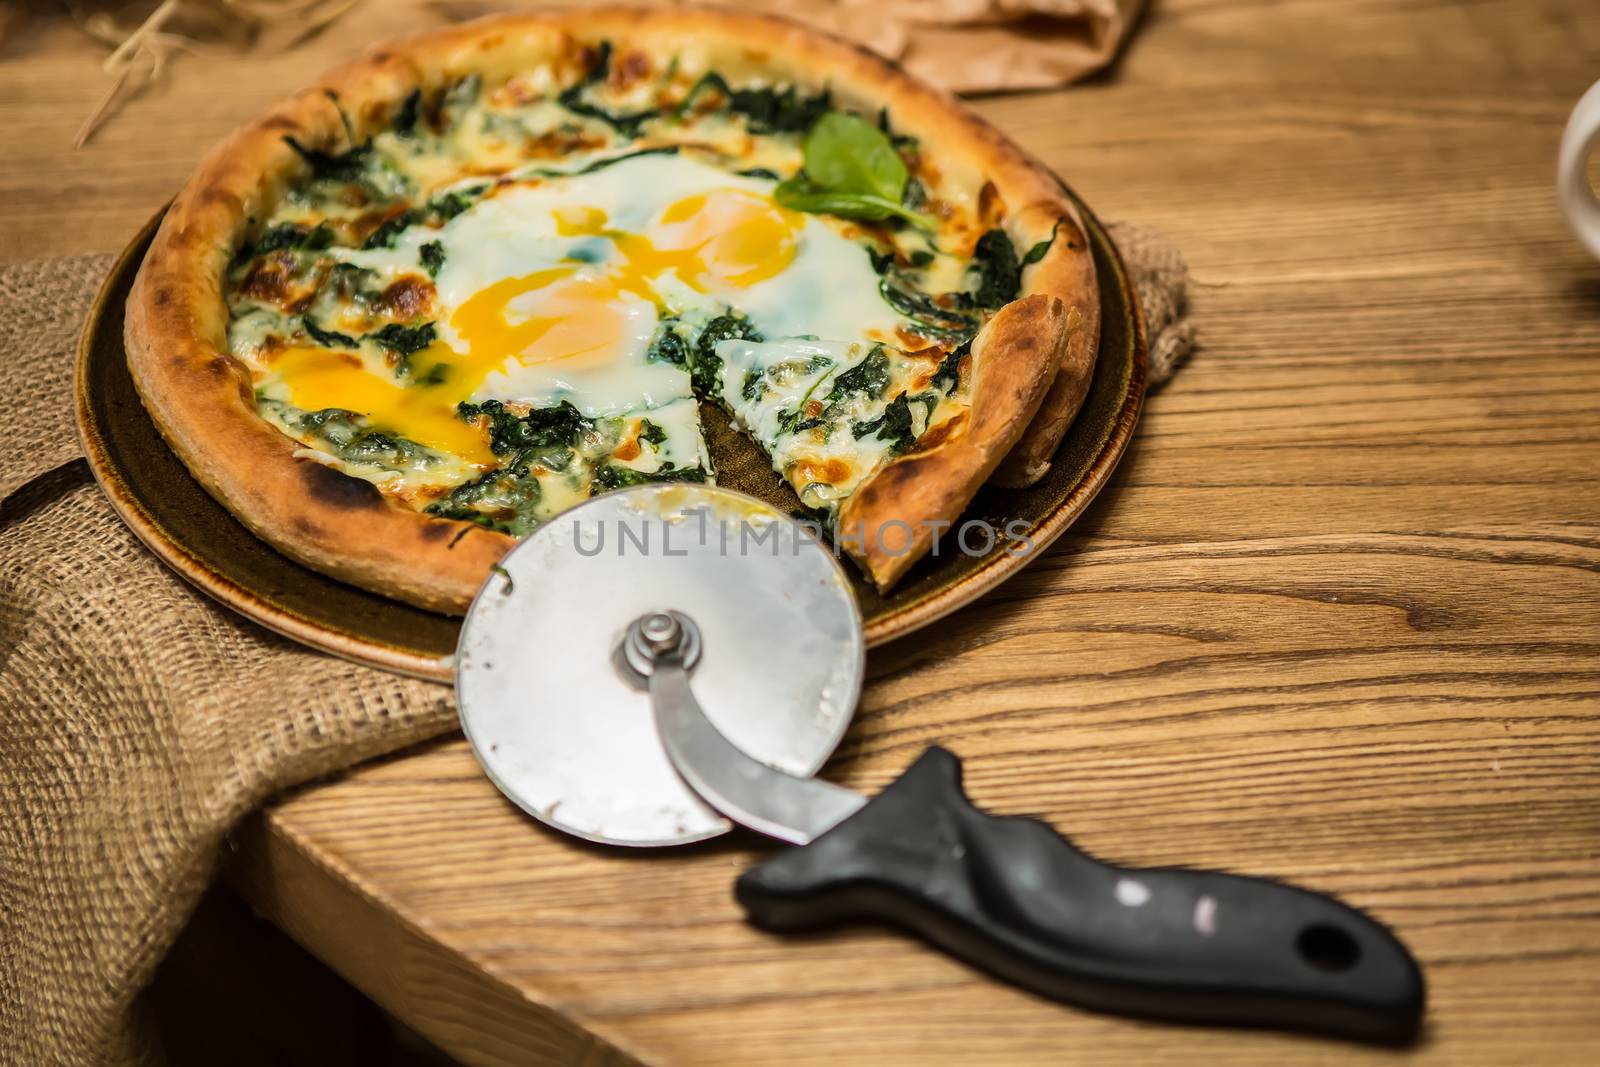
(471, 279)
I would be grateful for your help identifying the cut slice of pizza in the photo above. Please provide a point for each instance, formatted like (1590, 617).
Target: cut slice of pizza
(478, 277)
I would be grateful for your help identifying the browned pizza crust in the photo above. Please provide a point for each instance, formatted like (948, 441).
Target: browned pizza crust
(1029, 459)
(891, 521)
(201, 397)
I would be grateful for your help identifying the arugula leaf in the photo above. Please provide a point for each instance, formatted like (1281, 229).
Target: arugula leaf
(851, 170)
(432, 256)
(326, 338)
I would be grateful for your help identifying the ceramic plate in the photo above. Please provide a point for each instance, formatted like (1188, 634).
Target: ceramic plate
(183, 525)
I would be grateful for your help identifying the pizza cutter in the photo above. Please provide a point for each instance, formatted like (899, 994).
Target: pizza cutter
(660, 663)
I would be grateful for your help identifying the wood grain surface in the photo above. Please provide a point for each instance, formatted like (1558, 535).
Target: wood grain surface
(1337, 619)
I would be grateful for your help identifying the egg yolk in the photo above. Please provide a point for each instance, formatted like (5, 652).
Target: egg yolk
(739, 238)
(319, 378)
(727, 237)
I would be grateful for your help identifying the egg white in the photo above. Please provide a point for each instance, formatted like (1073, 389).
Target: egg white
(828, 291)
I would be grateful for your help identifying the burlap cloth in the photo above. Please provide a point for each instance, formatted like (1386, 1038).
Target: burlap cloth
(139, 721)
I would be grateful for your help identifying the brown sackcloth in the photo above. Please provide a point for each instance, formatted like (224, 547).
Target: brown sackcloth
(967, 46)
(139, 721)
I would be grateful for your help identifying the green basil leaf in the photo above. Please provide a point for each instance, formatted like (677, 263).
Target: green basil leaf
(848, 154)
(801, 194)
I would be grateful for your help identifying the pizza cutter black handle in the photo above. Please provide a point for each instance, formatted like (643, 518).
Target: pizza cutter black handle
(1014, 897)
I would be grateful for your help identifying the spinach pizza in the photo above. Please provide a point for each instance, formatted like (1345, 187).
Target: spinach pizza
(474, 278)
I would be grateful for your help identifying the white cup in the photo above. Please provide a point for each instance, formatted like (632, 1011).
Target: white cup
(1578, 198)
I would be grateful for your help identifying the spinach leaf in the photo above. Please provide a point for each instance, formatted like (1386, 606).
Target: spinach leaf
(766, 109)
(326, 338)
(928, 317)
(758, 172)
(999, 272)
(780, 111)
(405, 341)
(349, 282)
(289, 235)
(541, 428)
(901, 142)
(384, 236)
(1037, 252)
(405, 117)
(870, 376)
(571, 98)
(706, 367)
(752, 387)
(457, 99)
(348, 166)
(448, 205)
(345, 434)
(667, 346)
(651, 434)
(432, 256)
(609, 476)
(893, 426)
(502, 499)
(851, 170)
(949, 373)
(601, 164)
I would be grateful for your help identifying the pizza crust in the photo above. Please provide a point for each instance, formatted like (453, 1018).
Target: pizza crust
(1029, 459)
(201, 397)
(891, 520)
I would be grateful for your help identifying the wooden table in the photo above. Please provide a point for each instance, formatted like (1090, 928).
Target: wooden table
(1337, 619)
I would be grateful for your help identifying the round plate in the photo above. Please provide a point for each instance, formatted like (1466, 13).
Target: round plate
(565, 729)
(182, 524)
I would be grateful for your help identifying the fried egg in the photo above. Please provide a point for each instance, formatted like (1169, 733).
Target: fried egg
(552, 289)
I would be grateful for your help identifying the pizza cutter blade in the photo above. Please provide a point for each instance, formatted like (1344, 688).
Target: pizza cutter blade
(1009, 895)
(567, 734)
